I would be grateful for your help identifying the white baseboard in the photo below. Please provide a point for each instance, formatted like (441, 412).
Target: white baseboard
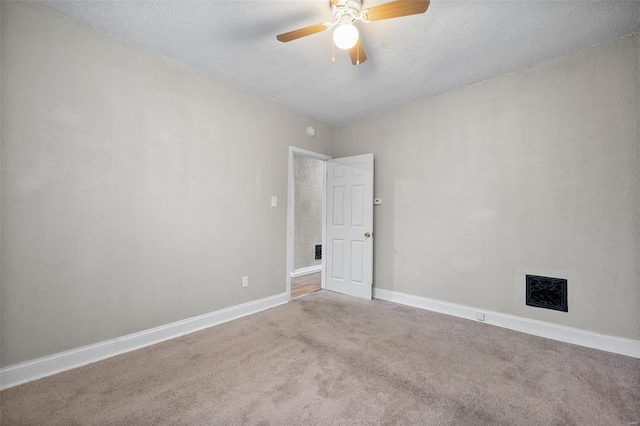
(306, 271)
(52, 364)
(603, 342)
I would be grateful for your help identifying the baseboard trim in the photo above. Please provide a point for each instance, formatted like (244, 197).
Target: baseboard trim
(306, 271)
(603, 342)
(46, 366)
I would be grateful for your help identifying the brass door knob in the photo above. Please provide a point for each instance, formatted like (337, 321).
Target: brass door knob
(367, 234)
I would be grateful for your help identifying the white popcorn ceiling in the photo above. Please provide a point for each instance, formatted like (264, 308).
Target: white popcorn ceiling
(454, 44)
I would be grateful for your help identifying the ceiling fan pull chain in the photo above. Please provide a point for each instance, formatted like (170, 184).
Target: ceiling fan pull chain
(333, 51)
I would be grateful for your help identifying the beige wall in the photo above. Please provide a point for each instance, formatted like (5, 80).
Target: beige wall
(534, 172)
(308, 196)
(135, 191)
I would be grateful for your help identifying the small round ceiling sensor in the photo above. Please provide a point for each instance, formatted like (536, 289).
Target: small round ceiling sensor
(311, 131)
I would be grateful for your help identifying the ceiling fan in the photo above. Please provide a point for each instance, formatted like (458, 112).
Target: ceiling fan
(346, 13)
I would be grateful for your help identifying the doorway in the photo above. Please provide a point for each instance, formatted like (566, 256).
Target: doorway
(305, 221)
(346, 264)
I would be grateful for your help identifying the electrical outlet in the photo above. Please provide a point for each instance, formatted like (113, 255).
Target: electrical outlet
(480, 316)
(245, 281)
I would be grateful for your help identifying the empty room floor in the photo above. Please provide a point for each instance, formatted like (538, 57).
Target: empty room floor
(306, 284)
(333, 359)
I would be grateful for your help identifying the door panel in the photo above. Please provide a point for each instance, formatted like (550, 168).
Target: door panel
(350, 227)
(338, 206)
(337, 272)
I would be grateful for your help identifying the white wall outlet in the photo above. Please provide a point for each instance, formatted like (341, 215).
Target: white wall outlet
(480, 316)
(274, 201)
(245, 281)
(377, 201)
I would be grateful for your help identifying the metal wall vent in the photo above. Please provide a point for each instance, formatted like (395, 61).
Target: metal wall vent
(546, 292)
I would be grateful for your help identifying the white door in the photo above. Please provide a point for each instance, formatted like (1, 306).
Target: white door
(349, 248)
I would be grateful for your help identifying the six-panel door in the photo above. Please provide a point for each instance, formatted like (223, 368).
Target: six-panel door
(350, 225)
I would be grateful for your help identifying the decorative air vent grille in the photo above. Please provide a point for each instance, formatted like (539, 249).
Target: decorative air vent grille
(545, 292)
(319, 251)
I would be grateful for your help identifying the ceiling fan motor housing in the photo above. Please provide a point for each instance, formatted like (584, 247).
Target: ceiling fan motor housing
(352, 9)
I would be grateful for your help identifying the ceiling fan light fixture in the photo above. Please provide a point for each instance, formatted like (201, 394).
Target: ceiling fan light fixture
(345, 36)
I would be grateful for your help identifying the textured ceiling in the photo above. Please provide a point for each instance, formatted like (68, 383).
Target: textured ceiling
(454, 44)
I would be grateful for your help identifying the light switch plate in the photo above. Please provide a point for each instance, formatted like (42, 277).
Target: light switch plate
(274, 201)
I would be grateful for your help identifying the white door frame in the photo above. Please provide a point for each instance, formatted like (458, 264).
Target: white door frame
(293, 150)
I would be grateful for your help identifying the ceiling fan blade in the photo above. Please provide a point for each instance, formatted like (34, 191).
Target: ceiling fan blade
(357, 53)
(396, 9)
(302, 32)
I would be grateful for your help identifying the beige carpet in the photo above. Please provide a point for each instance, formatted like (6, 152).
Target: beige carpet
(331, 359)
